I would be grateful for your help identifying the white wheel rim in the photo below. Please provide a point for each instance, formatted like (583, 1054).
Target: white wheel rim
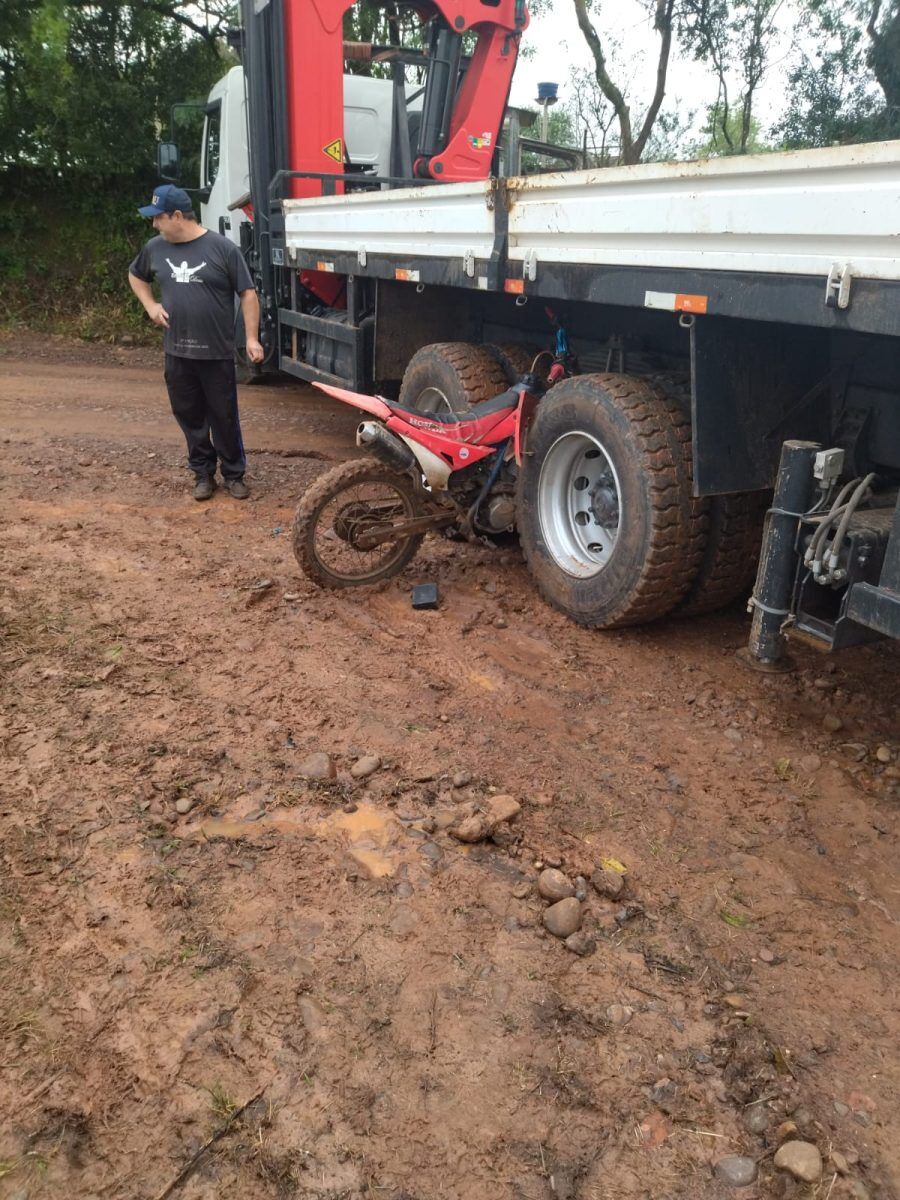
(579, 504)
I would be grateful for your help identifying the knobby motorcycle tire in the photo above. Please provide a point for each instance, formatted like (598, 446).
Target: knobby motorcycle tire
(325, 489)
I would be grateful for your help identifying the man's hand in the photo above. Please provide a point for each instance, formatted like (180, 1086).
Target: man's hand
(255, 351)
(158, 315)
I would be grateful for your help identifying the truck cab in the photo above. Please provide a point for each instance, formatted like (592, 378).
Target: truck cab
(225, 160)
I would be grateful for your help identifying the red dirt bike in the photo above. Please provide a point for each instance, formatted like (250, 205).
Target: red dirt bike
(363, 521)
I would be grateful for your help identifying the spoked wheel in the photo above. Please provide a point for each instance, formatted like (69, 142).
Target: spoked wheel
(342, 529)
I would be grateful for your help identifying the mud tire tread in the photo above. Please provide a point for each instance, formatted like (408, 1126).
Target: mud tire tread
(470, 374)
(669, 561)
(732, 526)
(732, 553)
(325, 488)
(515, 359)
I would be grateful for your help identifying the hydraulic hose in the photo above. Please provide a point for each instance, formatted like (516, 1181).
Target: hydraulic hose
(827, 521)
(852, 504)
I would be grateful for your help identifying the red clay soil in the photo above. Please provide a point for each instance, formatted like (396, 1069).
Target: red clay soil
(309, 989)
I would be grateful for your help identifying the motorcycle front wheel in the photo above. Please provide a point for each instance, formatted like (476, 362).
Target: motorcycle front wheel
(354, 501)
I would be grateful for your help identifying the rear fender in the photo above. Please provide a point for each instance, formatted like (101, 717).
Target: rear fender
(370, 404)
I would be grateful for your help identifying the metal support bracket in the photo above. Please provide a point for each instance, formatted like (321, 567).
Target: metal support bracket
(361, 256)
(837, 288)
(469, 263)
(530, 265)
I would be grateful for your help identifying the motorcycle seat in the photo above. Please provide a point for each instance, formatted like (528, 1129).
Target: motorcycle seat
(496, 406)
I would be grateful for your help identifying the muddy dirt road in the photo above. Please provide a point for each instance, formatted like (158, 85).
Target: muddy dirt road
(220, 979)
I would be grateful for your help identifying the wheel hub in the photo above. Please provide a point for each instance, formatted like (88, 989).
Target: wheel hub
(579, 504)
(605, 503)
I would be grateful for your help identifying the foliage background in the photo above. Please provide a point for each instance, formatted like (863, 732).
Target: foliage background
(87, 89)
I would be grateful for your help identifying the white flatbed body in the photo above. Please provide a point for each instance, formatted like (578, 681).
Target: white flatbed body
(799, 213)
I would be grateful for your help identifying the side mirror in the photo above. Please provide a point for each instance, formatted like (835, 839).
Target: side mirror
(203, 194)
(168, 162)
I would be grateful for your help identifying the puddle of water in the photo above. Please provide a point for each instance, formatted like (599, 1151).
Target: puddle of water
(235, 828)
(370, 833)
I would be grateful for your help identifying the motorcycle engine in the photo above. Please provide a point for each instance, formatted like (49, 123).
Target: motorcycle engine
(498, 514)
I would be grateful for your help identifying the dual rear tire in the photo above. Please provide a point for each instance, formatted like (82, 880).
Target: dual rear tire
(608, 524)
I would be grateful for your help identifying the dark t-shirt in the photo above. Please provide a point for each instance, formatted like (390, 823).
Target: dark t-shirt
(198, 281)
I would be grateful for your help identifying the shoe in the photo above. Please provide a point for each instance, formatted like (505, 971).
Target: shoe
(204, 487)
(237, 488)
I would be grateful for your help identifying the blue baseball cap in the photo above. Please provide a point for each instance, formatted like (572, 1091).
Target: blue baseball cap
(167, 198)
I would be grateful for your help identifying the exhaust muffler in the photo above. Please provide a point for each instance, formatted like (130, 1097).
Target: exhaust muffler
(370, 435)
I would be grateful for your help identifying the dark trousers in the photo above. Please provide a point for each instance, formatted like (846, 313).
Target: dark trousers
(203, 395)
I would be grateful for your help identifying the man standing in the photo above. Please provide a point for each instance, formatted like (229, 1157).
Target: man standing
(199, 272)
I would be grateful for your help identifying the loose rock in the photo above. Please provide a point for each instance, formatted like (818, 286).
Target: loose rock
(521, 890)
(832, 723)
(839, 1162)
(318, 767)
(663, 1094)
(365, 766)
(800, 1159)
(553, 885)
(581, 890)
(883, 754)
(580, 943)
(619, 1014)
(462, 779)
(735, 1170)
(766, 956)
(756, 1119)
(469, 829)
(563, 918)
(608, 883)
(810, 763)
(184, 804)
(501, 808)
(426, 773)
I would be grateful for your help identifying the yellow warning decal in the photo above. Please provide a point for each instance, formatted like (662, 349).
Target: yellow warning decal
(335, 150)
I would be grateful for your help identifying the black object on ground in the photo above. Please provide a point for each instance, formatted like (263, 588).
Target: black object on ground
(425, 595)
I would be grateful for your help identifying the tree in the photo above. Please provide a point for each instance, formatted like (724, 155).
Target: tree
(592, 112)
(734, 36)
(883, 55)
(843, 84)
(632, 140)
(89, 87)
(725, 138)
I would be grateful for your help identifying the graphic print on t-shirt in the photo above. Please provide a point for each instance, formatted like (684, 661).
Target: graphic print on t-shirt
(201, 319)
(184, 273)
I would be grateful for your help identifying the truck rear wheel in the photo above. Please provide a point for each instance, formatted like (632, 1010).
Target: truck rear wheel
(450, 377)
(729, 563)
(603, 505)
(516, 359)
(728, 529)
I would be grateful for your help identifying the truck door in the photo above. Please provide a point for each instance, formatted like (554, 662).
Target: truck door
(214, 177)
